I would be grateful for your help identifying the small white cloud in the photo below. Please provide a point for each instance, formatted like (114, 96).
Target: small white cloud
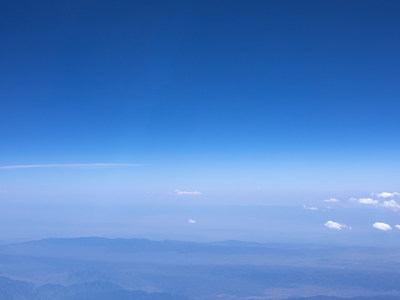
(192, 193)
(336, 225)
(382, 226)
(391, 204)
(397, 226)
(332, 200)
(191, 221)
(387, 195)
(310, 207)
(368, 201)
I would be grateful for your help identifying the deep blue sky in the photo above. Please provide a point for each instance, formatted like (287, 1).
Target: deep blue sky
(249, 102)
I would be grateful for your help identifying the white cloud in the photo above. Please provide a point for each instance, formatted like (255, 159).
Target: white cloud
(191, 221)
(332, 200)
(397, 226)
(336, 225)
(310, 207)
(386, 203)
(181, 193)
(368, 201)
(387, 195)
(68, 165)
(391, 204)
(381, 226)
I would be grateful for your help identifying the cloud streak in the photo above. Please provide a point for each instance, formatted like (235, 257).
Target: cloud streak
(69, 166)
(331, 200)
(192, 193)
(310, 207)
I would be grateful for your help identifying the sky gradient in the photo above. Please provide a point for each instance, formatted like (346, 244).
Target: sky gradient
(254, 104)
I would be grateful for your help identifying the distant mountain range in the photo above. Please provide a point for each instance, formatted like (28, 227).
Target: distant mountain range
(100, 268)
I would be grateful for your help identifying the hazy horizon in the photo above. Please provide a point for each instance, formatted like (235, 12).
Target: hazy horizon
(200, 120)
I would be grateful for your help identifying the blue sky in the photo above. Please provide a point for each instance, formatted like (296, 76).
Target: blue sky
(265, 103)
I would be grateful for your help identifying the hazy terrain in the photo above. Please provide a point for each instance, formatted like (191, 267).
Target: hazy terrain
(100, 268)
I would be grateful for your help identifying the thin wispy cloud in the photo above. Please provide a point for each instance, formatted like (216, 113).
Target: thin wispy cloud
(331, 200)
(310, 207)
(69, 165)
(397, 226)
(189, 193)
(336, 225)
(192, 221)
(382, 226)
